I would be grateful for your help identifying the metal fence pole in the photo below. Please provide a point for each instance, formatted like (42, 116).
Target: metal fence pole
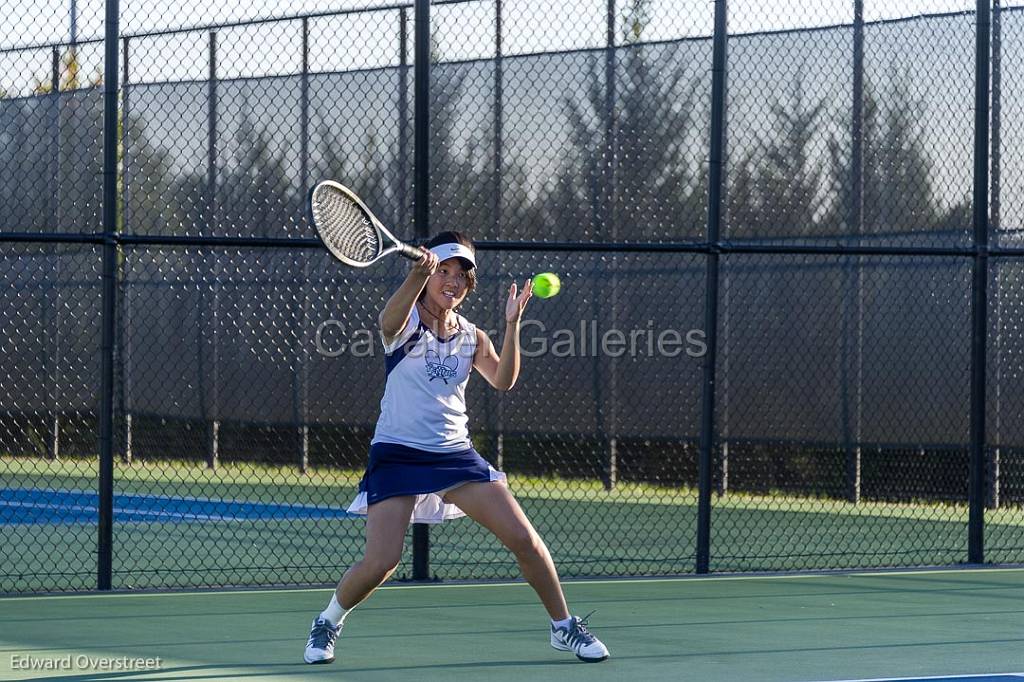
(722, 482)
(403, 116)
(979, 297)
(104, 568)
(52, 428)
(421, 215)
(211, 125)
(852, 417)
(994, 456)
(496, 404)
(498, 122)
(54, 212)
(212, 428)
(609, 228)
(123, 307)
(304, 111)
(301, 397)
(716, 179)
(54, 435)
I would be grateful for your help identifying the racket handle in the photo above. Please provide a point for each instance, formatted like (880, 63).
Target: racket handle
(410, 252)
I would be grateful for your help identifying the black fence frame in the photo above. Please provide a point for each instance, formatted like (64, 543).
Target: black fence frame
(985, 201)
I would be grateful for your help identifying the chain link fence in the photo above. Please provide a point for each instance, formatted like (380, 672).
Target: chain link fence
(789, 242)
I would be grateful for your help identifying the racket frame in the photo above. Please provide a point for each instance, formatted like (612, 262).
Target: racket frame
(396, 245)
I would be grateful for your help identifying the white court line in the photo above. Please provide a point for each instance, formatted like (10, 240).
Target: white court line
(154, 496)
(158, 513)
(117, 510)
(582, 581)
(938, 677)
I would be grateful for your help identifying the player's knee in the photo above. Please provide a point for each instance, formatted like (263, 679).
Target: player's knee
(524, 543)
(381, 566)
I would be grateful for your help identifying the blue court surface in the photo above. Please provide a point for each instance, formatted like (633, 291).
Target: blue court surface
(20, 506)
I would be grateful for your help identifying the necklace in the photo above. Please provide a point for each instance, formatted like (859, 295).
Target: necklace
(445, 324)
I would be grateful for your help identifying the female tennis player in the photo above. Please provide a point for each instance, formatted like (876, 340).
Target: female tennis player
(422, 466)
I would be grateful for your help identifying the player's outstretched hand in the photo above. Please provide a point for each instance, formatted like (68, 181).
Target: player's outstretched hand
(516, 304)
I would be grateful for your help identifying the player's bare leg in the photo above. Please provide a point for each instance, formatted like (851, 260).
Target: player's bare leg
(386, 523)
(493, 506)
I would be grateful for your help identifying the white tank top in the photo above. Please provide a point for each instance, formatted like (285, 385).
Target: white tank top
(424, 403)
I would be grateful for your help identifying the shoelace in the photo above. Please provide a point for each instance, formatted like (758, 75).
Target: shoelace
(578, 629)
(322, 635)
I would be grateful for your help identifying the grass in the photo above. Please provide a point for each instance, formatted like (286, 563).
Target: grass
(273, 483)
(635, 529)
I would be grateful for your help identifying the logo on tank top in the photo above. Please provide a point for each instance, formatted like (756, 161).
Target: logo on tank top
(438, 369)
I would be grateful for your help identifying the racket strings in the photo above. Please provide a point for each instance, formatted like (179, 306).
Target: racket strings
(344, 227)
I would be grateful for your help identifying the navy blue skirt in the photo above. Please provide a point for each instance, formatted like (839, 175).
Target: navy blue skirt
(395, 470)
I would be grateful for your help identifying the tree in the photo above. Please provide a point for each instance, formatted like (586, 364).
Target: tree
(51, 160)
(254, 194)
(372, 169)
(633, 173)
(898, 189)
(146, 181)
(635, 19)
(464, 185)
(776, 187)
(69, 78)
(462, 182)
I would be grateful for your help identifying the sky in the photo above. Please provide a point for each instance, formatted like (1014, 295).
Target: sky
(463, 31)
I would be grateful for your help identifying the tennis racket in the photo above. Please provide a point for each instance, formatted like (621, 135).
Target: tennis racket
(349, 230)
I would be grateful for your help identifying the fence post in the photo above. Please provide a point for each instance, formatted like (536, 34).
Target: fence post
(123, 306)
(496, 404)
(301, 398)
(421, 216)
(499, 73)
(54, 213)
(855, 216)
(715, 201)
(610, 231)
(211, 120)
(212, 428)
(304, 110)
(993, 477)
(403, 116)
(51, 417)
(106, 403)
(722, 483)
(979, 297)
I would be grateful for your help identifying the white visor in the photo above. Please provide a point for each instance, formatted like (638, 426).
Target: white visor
(454, 250)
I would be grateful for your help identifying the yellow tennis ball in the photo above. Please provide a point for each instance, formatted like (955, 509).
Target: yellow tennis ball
(546, 284)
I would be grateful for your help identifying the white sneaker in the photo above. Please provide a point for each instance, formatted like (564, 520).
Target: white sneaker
(576, 638)
(320, 647)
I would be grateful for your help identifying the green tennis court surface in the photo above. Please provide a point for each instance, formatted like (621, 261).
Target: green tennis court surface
(792, 628)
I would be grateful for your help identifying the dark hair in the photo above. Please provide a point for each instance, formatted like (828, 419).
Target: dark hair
(452, 237)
